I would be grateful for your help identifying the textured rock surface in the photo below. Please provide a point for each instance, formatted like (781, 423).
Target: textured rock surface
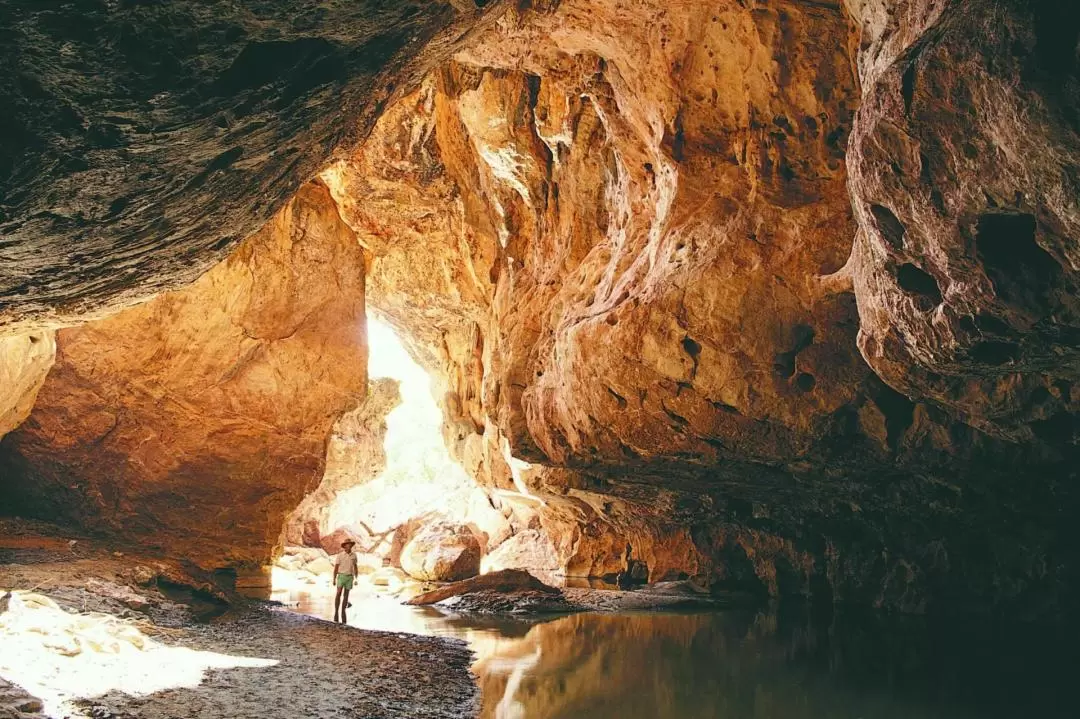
(619, 232)
(442, 552)
(963, 165)
(24, 362)
(195, 422)
(141, 141)
(682, 326)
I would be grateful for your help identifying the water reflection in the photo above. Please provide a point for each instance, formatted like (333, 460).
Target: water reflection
(742, 665)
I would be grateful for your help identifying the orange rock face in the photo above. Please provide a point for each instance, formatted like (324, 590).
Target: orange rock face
(355, 455)
(621, 234)
(964, 178)
(195, 422)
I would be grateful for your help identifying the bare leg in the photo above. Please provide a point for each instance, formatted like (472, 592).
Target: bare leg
(344, 606)
(337, 602)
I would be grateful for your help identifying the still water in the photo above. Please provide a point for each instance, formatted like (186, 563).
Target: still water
(743, 665)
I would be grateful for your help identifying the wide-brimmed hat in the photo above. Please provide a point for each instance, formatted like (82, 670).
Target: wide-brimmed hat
(347, 542)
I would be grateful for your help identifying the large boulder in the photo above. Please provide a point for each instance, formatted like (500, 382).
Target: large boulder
(442, 552)
(195, 422)
(531, 549)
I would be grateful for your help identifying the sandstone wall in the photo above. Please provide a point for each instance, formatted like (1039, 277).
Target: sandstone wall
(24, 362)
(622, 235)
(141, 141)
(195, 422)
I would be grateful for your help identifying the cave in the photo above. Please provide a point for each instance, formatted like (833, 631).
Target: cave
(332, 332)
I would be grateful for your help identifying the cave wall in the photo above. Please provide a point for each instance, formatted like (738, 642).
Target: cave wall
(777, 294)
(355, 455)
(24, 362)
(195, 422)
(622, 235)
(142, 141)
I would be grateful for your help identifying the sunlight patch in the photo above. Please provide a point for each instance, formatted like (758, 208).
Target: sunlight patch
(60, 657)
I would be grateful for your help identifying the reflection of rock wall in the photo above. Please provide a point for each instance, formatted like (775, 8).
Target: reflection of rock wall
(195, 422)
(733, 665)
(619, 233)
(24, 362)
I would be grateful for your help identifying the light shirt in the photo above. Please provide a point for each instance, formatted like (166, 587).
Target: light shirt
(345, 563)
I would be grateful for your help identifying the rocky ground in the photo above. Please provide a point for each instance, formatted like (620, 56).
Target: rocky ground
(102, 634)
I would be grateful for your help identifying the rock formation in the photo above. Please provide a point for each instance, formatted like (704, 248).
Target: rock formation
(442, 552)
(620, 234)
(24, 362)
(142, 141)
(778, 295)
(354, 455)
(195, 422)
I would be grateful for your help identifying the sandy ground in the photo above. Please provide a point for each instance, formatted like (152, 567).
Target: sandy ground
(322, 670)
(111, 616)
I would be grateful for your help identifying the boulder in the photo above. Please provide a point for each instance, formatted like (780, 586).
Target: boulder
(506, 581)
(530, 549)
(442, 552)
(331, 543)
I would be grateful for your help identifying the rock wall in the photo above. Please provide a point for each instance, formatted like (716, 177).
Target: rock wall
(143, 141)
(963, 164)
(621, 233)
(24, 362)
(195, 422)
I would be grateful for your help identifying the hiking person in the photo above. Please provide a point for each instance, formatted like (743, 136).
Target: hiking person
(344, 575)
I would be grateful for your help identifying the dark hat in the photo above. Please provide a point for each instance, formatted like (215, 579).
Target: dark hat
(348, 542)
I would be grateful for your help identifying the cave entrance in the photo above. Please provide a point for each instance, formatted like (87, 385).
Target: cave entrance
(389, 479)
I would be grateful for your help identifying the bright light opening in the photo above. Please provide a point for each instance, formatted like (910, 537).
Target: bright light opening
(420, 476)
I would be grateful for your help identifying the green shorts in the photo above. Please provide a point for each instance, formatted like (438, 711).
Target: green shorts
(345, 580)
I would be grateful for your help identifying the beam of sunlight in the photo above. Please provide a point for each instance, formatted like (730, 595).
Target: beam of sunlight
(60, 657)
(420, 475)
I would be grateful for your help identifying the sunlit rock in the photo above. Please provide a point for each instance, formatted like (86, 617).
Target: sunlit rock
(442, 552)
(195, 422)
(24, 362)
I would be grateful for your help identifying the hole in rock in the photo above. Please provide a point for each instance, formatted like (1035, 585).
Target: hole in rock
(918, 282)
(1021, 271)
(995, 353)
(889, 226)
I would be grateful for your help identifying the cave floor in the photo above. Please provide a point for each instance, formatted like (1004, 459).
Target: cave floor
(194, 657)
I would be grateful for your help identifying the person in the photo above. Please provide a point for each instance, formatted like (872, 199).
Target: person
(344, 575)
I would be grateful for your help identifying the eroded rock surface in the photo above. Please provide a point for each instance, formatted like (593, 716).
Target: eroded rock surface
(355, 454)
(620, 234)
(963, 164)
(142, 141)
(196, 421)
(442, 552)
(24, 362)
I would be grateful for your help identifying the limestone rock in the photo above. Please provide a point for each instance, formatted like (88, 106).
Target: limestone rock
(195, 422)
(143, 141)
(24, 362)
(442, 552)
